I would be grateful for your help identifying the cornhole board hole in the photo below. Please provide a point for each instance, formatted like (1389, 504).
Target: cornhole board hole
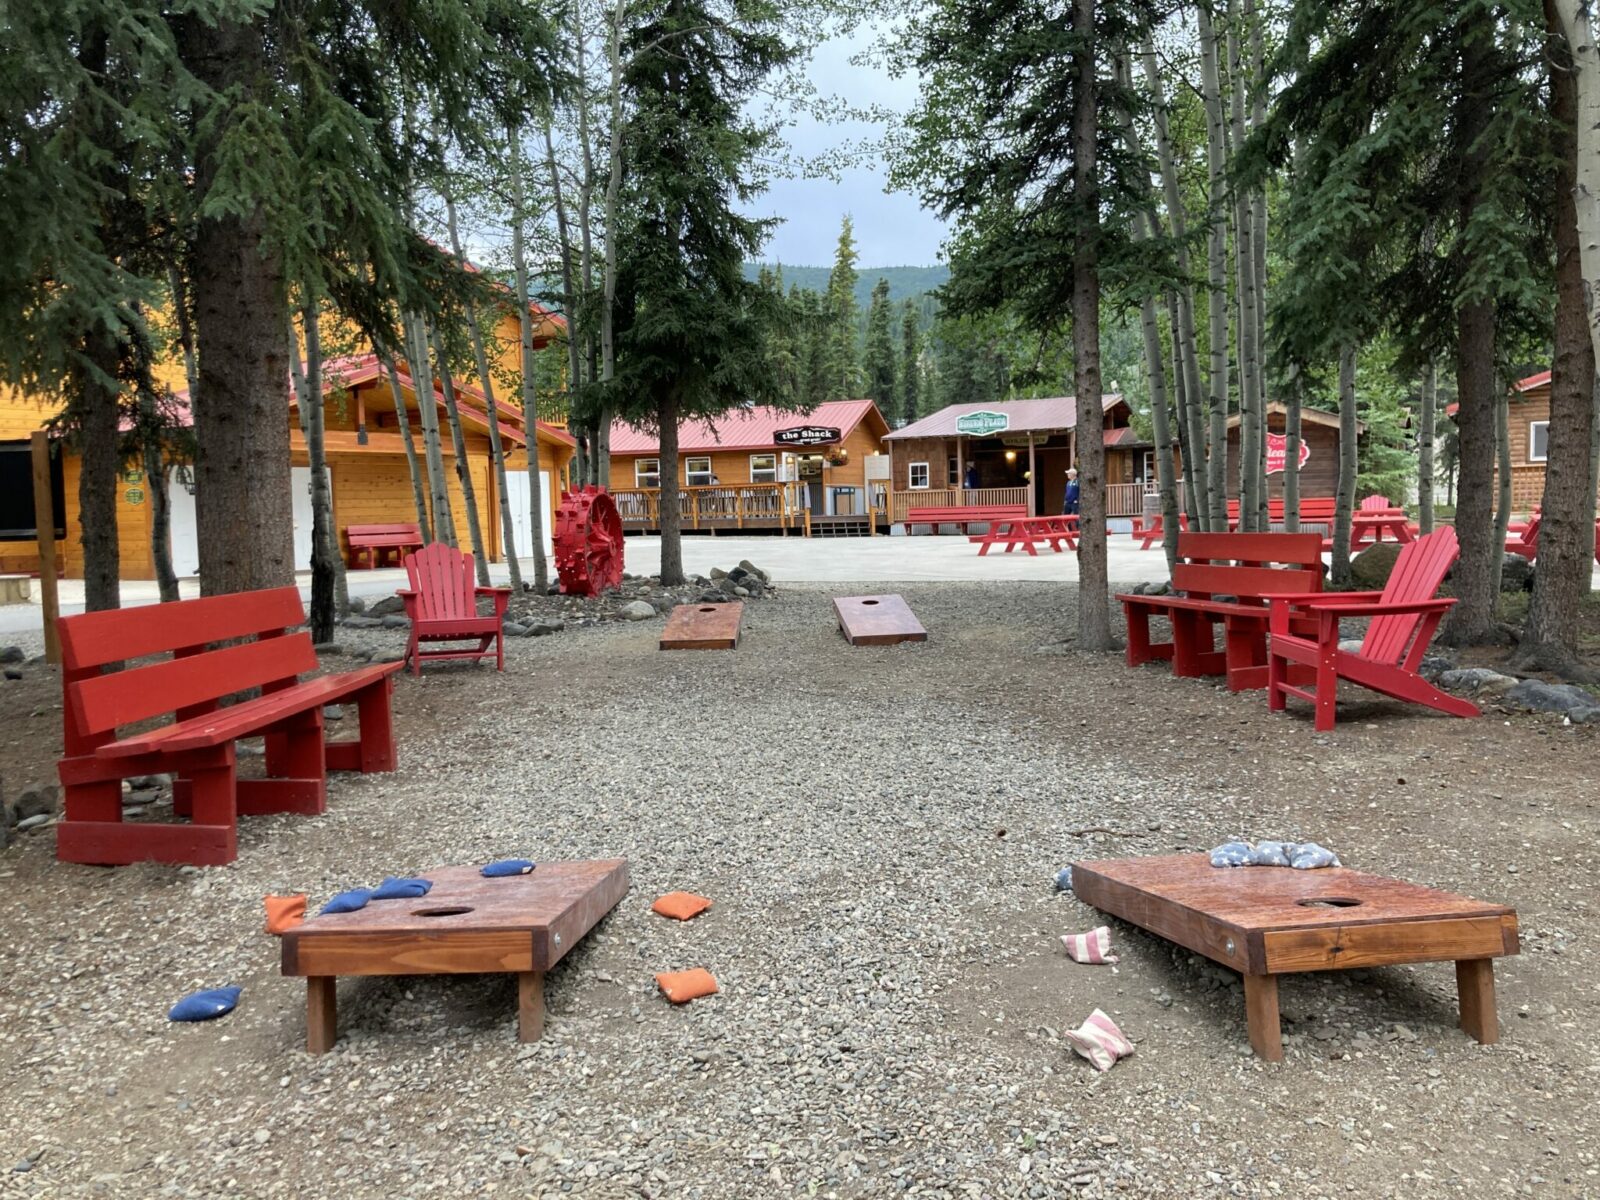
(467, 925)
(877, 620)
(1270, 921)
(703, 627)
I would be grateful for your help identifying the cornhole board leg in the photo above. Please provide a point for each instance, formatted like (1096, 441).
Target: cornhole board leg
(877, 620)
(703, 627)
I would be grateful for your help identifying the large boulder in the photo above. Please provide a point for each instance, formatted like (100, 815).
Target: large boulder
(1539, 696)
(388, 606)
(638, 610)
(1370, 570)
(1516, 575)
(1473, 680)
(746, 565)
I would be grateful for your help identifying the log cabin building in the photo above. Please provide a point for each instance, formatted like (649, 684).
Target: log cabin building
(759, 468)
(1319, 452)
(369, 476)
(1020, 451)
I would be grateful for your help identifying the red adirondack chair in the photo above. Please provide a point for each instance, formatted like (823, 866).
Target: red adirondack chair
(1404, 616)
(442, 605)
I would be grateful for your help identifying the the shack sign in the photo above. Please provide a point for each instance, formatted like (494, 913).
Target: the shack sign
(1278, 452)
(983, 424)
(806, 435)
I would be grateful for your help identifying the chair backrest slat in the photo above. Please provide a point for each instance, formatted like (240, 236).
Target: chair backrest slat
(444, 580)
(102, 703)
(1236, 564)
(94, 639)
(1418, 572)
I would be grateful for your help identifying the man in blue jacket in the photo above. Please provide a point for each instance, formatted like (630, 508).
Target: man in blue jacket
(1069, 502)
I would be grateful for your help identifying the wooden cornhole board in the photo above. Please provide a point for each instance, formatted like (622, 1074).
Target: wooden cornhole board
(703, 627)
(877, 620)
(467, 925)
(1270, 921)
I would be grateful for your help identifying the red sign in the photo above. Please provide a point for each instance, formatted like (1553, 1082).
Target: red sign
(1278, 452)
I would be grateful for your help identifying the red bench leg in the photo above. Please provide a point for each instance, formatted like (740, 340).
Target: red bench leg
(1327, 686)
(297, 777)
(1138, 635)
(373, 750)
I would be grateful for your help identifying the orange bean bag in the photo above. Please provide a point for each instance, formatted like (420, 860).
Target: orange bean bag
(683, 986)
(284, 913)
(681, 906)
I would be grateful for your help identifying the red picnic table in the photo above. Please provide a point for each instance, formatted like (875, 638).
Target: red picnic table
(1368, 528)
(1027, 532)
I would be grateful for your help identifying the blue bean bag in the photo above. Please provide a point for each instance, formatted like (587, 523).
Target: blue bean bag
(351, 901)
(507, 866)
(206, 1005)
(395, 888)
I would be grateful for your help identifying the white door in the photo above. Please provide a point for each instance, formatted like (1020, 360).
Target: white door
(517, 494)
(184, 534)
(300, 483)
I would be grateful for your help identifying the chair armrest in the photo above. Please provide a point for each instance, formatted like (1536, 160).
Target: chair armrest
(405, 593)
(502, 597)
(1326, 599)
(1380, 610)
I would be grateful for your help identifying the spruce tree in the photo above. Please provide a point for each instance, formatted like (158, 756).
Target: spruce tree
(843, 364)
(910, 362)
(692, 331)
(880, 348)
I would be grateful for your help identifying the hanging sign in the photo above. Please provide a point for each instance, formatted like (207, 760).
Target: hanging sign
(983, 424)
(806, 435)
(1278, 452)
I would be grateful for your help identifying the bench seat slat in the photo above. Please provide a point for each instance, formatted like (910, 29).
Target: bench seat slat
(252, 716)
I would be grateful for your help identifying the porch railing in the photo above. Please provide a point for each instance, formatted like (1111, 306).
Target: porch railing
(716, 507)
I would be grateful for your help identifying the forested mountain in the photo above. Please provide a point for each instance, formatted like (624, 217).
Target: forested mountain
(904, 282)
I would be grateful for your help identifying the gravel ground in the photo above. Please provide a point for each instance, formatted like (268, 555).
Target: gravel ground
(879, 829)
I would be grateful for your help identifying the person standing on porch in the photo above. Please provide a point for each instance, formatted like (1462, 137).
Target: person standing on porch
(971, 482)
(1069, 501)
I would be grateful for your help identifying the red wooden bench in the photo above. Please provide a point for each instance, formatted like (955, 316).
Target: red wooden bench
(1314, 511)
(1404, 616)
(1223, 564)
(1028, 532)
(197, 746)
(442, 605)
(371, 543)
(963, 515)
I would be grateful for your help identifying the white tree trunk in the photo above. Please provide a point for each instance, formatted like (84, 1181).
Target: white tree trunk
(1578, 24)
(1216, 276)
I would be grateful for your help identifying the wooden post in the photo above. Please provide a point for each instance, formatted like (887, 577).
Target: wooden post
(530, 1006)
(1261, 1016)
(44, 521)
(322, 1013)
(1033, 479)
(1475, 984)
(960, 481)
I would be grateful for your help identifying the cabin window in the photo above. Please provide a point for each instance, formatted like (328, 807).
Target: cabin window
(16, 492)
(919, 477)
(953, 469)
(647, 472)
(697, 471)
(1538, 441)
(763, 468)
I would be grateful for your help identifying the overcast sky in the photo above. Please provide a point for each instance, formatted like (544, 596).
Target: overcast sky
(892, 230)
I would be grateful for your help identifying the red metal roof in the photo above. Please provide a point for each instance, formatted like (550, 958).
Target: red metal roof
(1531, 382)
(743, 429)
(1027, 416)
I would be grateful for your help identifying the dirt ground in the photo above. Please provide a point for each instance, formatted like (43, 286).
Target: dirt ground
(879, 829)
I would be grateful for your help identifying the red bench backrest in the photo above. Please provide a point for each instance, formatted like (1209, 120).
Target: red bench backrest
(95, 704)
(1232, 564)
(370, 531)
(444, 581)
(1417, 574)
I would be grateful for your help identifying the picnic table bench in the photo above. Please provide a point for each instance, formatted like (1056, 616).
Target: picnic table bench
(197, 746)
(1028, 532)
(1316, 511)
(963, 515)
(1213, 565)
(371, 543)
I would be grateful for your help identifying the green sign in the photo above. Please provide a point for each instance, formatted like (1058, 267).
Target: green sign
(982, 424)
(134, 495)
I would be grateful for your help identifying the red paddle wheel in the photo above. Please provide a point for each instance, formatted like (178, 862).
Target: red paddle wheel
(588, 542)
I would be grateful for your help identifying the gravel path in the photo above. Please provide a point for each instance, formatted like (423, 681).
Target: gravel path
(879, 829)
